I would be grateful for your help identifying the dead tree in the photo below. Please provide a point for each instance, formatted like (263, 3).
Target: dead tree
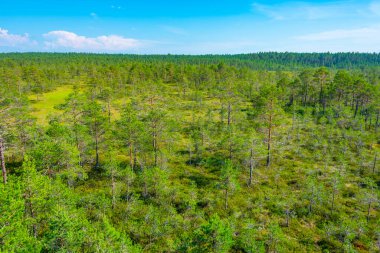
(3, 169)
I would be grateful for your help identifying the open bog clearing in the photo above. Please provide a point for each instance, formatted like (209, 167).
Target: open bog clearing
(45, 105)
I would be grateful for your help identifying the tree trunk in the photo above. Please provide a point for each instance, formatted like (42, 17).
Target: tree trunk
(134, 156)
(287, 217)
(131, 160)
(96, 144)
(155, 145)
(250, 168)
(113, 186)
(269, 140)
(3, 169)
(229, 114)
(368, 211)
(356, 108)
(96, 152)
(374, 164)
(230, 148)
(226, 199)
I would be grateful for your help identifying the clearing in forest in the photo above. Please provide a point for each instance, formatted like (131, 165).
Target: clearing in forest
(45, 105)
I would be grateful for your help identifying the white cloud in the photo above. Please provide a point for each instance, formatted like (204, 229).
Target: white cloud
(375, 8)
(13, 40)
(310, 11)
(362, 34)
(267, 10)
(364, 39)
(64, 40)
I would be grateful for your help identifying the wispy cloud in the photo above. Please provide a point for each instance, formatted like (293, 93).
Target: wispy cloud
(269, 11)
(305, 10)
(363, 34)
(117, 7)
(364, 39)
(14, 40)
(64, 40)
(174, 30)
(375, 8)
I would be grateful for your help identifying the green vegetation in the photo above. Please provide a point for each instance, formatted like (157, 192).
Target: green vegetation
(266, 152)
(44, 105)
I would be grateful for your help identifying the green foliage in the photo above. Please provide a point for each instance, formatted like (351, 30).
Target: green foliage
(14, 231)
(264, 152)
(111, 240)
(213, 236)
(248, 240)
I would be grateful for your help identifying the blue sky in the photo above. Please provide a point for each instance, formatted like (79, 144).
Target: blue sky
(189, 27)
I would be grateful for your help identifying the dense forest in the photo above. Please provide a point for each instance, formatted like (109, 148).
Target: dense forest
(257, 61)
(266, 152)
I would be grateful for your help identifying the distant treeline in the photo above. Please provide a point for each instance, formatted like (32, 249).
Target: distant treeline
(256, 61)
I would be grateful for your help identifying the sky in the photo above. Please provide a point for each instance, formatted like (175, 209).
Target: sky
(189, 26)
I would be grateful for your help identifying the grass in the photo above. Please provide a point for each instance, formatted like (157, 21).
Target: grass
(44, 106)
